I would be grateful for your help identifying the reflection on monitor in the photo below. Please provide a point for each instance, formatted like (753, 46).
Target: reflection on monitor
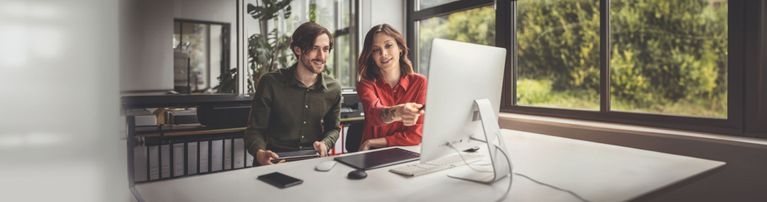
(459, 75)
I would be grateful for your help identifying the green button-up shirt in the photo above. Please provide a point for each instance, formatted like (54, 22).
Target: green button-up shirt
(286, 115)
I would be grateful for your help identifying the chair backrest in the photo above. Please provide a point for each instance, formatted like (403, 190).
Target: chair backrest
(354, 136)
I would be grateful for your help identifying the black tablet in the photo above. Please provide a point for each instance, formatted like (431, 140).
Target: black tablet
(280, 180)
(297, 155)
(378, 158)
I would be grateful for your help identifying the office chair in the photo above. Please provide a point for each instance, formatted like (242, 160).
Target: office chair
(354, 137)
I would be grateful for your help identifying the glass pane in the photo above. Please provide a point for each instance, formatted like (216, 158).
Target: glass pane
(216, 55)
(344, 13)
(474, 26)
(342, 49)
(558, 54)
(343, 68)
(190, 62)
(197, 37)
(335, 15)
(199, 56)
(326, 14)
(424, 4)
(669, 57)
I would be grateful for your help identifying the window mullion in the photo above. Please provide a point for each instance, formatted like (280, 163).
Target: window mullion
(604, 56)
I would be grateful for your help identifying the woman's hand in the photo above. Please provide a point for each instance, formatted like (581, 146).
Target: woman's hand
(373, 143)
(410, 112)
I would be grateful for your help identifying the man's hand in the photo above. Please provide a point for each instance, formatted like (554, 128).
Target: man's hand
(321, 148)
(265, 157)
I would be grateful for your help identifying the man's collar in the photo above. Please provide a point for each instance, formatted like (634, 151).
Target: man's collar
(291, 79)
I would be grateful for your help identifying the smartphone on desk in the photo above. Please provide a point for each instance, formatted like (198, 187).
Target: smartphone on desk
(280, 180)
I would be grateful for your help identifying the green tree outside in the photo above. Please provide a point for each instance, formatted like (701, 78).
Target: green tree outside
(666, 57)
(474, 26)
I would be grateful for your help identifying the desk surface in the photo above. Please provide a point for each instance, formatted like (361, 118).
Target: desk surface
(597, 172)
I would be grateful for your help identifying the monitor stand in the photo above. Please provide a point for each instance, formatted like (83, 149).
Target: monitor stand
(494, 142)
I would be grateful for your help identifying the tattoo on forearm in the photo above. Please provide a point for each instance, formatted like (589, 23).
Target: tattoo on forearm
(387, 115)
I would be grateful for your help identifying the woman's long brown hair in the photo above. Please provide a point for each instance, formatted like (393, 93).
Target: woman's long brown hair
(366, 67)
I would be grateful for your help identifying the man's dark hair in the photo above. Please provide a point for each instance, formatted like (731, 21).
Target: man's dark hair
(305, 35)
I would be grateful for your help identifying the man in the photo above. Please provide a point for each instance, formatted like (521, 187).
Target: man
(296, 108)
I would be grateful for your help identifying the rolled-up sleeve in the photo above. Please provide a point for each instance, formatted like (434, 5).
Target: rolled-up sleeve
(332, 123)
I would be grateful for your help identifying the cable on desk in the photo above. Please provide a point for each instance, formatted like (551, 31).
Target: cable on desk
(511, 168)
(512, 173)
(464, 160)
(553, 187)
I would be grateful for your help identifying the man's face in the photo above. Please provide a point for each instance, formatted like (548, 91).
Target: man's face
(314, 59)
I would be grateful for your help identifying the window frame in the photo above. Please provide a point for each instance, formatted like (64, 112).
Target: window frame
(225, 51)
(413, 16)
(349, 31)
(747, 73)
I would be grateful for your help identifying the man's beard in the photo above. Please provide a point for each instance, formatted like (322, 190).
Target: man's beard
(309, 65)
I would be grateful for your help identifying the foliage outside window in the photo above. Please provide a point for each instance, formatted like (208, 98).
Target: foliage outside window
(689, 64)
(558, 54)
(669, 57)
(666, 57)
(474, 26)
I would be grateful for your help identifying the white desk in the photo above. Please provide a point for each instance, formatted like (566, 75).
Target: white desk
(597, 172)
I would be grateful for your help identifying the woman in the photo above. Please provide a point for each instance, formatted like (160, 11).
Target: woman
(392, 94)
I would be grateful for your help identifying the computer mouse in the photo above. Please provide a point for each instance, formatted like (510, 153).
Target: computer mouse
(357, 174)
(325, 166)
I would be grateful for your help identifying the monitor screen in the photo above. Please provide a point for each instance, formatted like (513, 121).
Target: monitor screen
(459, 74)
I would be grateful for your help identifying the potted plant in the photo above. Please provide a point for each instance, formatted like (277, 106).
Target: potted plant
(268, 50)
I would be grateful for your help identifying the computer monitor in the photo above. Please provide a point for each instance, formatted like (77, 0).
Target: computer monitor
(461, 75)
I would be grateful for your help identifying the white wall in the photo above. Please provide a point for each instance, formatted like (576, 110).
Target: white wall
(147, 58)
(374, 12)
(148, 53)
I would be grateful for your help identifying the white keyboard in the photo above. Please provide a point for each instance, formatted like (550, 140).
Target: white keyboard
(422, 168)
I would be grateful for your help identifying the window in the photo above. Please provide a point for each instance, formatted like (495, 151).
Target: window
(338, 16)
(475, 24)
(424, 4)
(665, 58)
(199, 55)
(669, 57)
(558, 54)
(673, 64)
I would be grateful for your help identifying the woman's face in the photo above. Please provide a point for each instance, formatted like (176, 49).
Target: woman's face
(386, 52)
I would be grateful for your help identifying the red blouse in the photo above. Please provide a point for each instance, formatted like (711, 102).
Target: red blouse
(376, 95)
